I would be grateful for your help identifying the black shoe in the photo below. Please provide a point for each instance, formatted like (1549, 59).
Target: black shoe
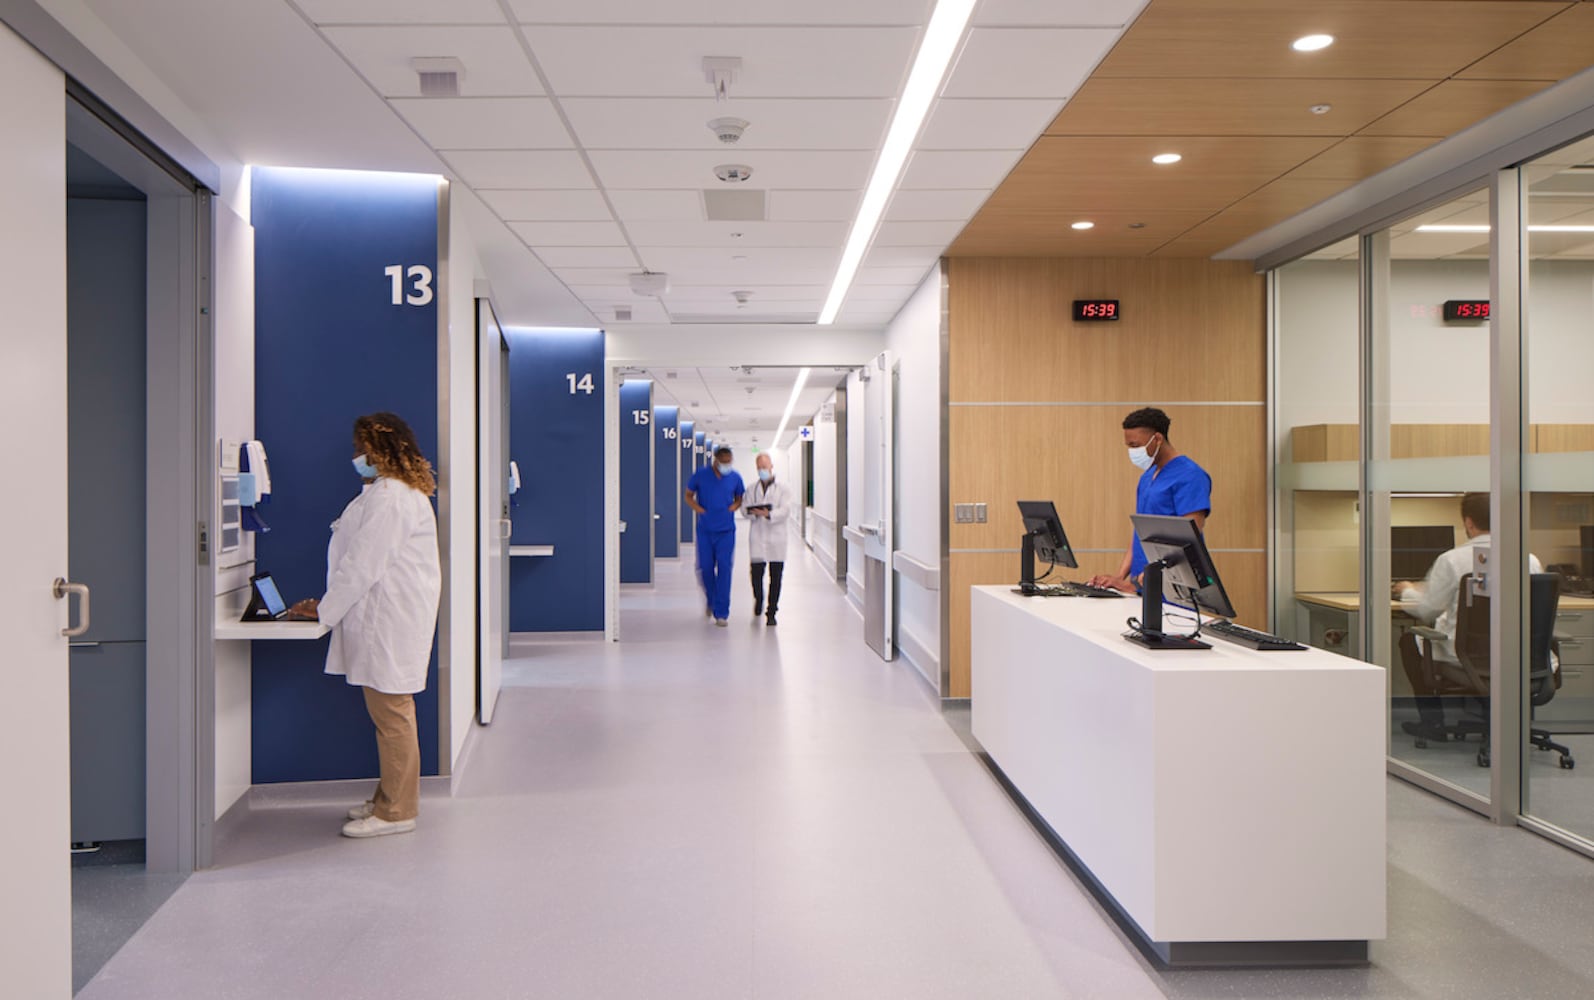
(769, 619)
(1432, 732)
(758, 609)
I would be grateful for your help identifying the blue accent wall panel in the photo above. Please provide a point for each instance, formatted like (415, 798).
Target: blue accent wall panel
(556, 409)
(666, 481)
(688, 466)
(330, 345)
(700, 439)
(636, 481)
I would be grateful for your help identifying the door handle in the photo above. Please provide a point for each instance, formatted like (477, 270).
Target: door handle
(506, 527)
(62, 589)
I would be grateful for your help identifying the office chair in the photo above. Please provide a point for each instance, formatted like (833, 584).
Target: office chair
(1472, 650)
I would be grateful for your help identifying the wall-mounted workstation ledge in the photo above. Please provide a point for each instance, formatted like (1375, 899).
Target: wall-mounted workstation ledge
(271, 630)
(531, 550)
(1183, 783)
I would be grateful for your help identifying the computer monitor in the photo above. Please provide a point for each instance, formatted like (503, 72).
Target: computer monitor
(1179, 570)
(265, 601)
(1587, 539)
(1043, 537)
(1413, 549)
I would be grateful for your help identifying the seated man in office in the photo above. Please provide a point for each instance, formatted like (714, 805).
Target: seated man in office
(1171, 484)
(1433, 602)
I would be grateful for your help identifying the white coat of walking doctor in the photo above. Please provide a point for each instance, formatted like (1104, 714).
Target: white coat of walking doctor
(767, 507)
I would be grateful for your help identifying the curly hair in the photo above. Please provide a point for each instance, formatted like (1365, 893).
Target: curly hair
(390, 445)
(1149, 418)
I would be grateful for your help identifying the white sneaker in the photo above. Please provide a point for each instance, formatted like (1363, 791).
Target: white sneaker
(362, 810)
(373, 826)
(722, 623)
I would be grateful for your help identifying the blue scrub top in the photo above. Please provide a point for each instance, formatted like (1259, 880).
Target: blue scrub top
(715, 494)
(1181, 487)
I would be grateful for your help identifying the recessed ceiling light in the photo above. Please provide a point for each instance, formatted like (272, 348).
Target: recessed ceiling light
(1321, 109)
(1137, 225)
(1166, 158)
(1084, 225)
(1312, 43)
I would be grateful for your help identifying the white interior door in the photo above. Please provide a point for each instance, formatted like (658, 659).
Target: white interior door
(493, 461)
(35, 836)
(879, 503)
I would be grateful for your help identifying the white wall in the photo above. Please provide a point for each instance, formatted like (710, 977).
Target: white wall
(914, 339)
(856, 468)
(459, 480)
(234, 333)
(821, 532)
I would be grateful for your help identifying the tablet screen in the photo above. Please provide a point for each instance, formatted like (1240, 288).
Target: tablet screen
(268, 593)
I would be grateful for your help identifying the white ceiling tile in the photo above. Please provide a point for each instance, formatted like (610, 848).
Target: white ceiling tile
(939, 169)
(655, 169)
(642, 310)
(754, 234)
(551, 206)
(766, 293)
(924, 257)
(813, 206)
(881, 293)
(1028, 62)
(569, 234)
(485, 122)
(1058, 13)
(697, 258)
(862, 314)
(916, 234)
(777, 62)
(890, 275)
(682, 123)
(591, 277)
(845, 12)
(771, 272)
(557, 257)
(519, 168)
(495, 64)
(402, 11)
(915, 206)
(658, 206)
(987, 124)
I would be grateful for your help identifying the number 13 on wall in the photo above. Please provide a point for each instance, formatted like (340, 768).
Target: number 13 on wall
(420, 277)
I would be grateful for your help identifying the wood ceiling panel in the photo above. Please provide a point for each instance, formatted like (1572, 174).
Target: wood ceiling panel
(1091, 173)
(1452, 106)
(1204, 106)
(1047, 234)
(1269, 206)
(1418, 39)
(1359, 157)
(1555, 50)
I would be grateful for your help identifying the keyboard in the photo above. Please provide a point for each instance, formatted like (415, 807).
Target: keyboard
(1250, 637)
(1086, 590)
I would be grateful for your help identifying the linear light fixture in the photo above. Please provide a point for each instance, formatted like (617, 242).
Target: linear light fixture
(791, 404)
(940, 44)
(1485, 229)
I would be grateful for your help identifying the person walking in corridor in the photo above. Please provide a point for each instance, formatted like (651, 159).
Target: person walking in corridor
(384, 580)
(715, 492)
(767, 510)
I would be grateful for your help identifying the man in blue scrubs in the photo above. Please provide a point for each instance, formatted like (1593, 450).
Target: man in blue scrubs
(1171, 484)
(715, 492)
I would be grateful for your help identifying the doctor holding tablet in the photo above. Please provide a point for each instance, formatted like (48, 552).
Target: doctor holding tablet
(384, 580)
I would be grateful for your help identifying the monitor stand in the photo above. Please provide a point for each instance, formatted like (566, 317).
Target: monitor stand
(1026, 566)
(1151, 635)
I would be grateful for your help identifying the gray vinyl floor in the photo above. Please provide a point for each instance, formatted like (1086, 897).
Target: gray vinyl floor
(751, 812)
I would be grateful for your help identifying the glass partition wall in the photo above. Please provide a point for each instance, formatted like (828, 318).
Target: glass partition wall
(1433, 431)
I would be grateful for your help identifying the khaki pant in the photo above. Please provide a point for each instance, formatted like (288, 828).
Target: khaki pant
(398, 796)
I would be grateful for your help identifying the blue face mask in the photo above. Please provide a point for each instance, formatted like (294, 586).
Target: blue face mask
(365, 469)
(724, 467)
(764, 475)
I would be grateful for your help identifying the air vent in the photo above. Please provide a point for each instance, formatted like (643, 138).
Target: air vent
(734, 206)
(440, 75)
(622, 312)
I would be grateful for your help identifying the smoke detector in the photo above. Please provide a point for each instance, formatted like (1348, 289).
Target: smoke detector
(733, 173)
(650, 283)
(440, 75)
(729, 130)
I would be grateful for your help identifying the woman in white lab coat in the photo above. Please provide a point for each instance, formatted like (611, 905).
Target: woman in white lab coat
(767, 508)
(384, 580)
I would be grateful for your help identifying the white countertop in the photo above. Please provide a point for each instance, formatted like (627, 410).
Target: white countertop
(270, 630)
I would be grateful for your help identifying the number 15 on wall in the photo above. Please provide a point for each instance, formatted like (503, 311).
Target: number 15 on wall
(420, 284)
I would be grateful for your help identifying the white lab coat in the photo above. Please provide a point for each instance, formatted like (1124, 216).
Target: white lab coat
(1435, 602)
(384, 580)
(766, 539)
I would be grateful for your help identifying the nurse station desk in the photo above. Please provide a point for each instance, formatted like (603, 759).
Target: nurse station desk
(1229, 803)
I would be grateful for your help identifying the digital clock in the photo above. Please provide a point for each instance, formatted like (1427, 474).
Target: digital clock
(1466, 310)
(1094, 310)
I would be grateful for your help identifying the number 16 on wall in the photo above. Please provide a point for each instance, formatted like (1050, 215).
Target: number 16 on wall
(420, 278)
